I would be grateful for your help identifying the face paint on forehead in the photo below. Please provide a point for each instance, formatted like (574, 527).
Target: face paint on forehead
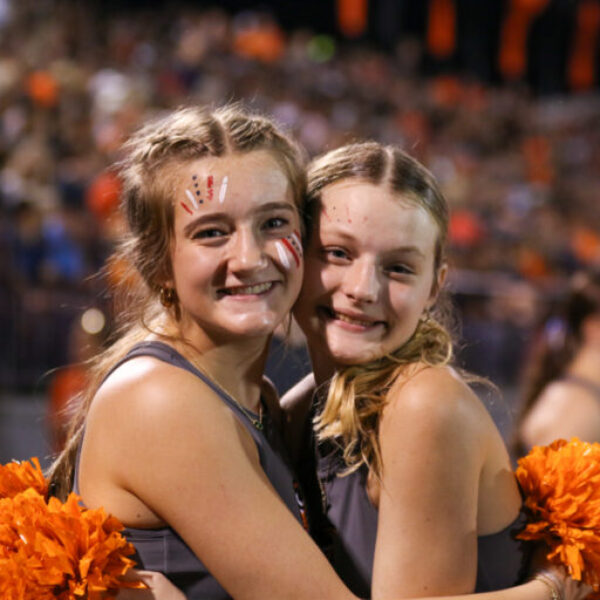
(223, 189)
(194, 194)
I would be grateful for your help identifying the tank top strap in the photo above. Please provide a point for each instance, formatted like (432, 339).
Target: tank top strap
(168, 354)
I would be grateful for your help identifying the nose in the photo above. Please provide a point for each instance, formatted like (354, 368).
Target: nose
(246, 252)
(361, 281)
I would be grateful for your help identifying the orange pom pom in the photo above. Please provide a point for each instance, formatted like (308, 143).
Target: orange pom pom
(51, 550)
(561, 483)
(16, 477)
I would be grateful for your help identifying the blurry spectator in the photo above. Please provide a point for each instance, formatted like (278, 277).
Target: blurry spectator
(521, 173)
(66, 383)
(562, 396)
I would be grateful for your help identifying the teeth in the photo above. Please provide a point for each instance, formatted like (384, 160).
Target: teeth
(259, 288)
(347, 319)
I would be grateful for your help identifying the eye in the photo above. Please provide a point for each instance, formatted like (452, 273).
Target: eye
(275, 223)
(336, 255)
(400, 269)
(208, 233)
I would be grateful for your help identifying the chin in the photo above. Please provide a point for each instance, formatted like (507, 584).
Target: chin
(348, 356)
(255, 326)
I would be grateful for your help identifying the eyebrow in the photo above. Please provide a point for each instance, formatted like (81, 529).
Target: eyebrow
(216, 216)
(276, 206)
(410, 250)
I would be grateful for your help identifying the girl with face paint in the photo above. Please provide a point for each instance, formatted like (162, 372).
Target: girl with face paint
(430, 480)
(176, 435)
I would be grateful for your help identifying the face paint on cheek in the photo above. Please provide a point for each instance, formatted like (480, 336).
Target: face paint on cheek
(282, 255)
(297, 242)
(223, 189)
(292, 244)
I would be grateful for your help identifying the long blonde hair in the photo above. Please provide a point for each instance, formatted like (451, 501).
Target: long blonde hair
(357, 394)
(148, 172)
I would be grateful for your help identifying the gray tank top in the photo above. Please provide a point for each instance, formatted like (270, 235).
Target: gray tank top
(502, 561)
(163, 549)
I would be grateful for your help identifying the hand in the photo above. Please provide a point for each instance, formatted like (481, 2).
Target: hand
(575, 590)
(160, 588)
(567, 588)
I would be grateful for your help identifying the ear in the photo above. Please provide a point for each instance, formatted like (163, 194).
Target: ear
(438, 283)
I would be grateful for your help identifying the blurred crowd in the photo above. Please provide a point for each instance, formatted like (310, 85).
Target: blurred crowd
(522, 174)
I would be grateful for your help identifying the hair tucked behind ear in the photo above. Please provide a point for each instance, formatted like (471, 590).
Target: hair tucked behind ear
(357, 394)
(148, 172)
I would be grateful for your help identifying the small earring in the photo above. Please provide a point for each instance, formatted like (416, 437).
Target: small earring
(167, 296)
(425, 315)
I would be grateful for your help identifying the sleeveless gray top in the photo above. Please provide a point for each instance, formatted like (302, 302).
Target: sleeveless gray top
(502, 560)
(163, 549)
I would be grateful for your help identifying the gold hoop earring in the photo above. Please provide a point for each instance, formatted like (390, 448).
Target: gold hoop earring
(167, 296)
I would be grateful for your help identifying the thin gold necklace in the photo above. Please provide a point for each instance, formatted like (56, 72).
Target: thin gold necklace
(257, 423)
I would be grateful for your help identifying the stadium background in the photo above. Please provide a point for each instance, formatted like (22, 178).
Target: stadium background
(499, 98)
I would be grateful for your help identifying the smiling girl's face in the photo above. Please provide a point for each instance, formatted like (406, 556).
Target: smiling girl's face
(236, 254)
(369, 273)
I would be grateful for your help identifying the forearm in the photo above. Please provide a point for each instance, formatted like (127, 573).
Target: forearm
(532, 590)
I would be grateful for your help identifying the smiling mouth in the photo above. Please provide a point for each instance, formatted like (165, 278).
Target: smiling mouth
(248, 290)
(332, 314)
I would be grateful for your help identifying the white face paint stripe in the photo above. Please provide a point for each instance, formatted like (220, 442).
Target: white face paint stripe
(296, 238)
(191, 199)
(282, 255)
(223, 190)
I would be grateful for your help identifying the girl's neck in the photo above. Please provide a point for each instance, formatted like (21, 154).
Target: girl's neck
(236, 365)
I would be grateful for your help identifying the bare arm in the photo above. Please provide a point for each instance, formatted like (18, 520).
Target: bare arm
(162, 589)
(433, 454)
(296, 404)
(189, 462)
(238, 526)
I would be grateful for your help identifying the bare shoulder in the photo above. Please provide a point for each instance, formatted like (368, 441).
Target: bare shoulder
(562, 410)
(435, 390)
(151, 389)
(144, 401)
(434, 405)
